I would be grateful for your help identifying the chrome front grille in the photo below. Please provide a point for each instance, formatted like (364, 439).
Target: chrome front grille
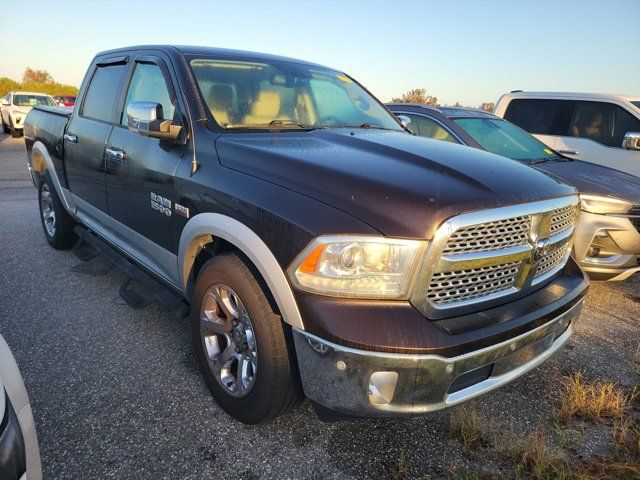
(562, 220)
(551, 261)
(456, 286)
(509, 232)
(485, 255)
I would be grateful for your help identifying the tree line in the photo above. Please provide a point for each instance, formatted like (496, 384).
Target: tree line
(420, 95)
(36, 81)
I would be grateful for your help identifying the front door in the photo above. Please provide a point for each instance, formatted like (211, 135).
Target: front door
(141, 174)
(596, 133)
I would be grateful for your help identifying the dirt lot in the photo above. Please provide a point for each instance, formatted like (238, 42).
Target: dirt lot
(117, 392)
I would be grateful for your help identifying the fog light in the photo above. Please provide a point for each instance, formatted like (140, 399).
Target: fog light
(593, 252)
(382, 386)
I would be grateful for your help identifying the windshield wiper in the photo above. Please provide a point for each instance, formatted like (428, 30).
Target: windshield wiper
(363, 125)
(550, 159)
(273, 125)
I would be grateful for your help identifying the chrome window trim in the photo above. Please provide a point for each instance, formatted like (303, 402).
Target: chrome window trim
(434, 261)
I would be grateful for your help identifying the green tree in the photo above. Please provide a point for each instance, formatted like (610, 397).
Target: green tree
(31, 75)
(417, 95)
(7, 85)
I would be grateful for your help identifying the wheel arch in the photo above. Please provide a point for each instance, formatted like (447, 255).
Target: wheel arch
(199, 231)
(40, 162)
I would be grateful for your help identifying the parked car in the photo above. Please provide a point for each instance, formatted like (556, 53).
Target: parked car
(607, 244)
(315, 241)
(14, 107)
(65, 101)
(19, 453)
(596, 128)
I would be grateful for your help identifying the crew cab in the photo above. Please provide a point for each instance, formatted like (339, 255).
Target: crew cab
(14, 107)
(318, 245)
(607, 244)
(594, 127)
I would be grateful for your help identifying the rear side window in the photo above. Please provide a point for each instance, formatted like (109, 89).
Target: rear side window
(544, 117)
(148, 85)
(603, 122)
(426, 127)
(100, 98)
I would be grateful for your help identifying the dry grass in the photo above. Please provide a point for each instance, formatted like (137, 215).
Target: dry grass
(593, 402)
(626, 437)
(468, 424)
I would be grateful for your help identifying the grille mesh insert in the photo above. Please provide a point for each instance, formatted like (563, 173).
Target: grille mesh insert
(506, 233)
(459, 285)
(550, 261)
(562, 220)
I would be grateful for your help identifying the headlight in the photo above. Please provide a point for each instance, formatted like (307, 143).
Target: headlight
(604, 205)
(358, 266)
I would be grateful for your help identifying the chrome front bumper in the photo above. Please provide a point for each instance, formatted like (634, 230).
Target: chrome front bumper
(374, 384)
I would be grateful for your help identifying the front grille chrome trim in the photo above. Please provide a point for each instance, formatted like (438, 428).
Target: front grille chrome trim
(551, 228)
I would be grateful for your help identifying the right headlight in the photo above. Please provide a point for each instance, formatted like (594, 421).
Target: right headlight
(358, 266)
(604, 205)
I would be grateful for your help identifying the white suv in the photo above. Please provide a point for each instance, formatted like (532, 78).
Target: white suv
(14, 107)
(596, 128)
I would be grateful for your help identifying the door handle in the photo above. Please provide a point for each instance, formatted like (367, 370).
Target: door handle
(569, 152)
(70, 137)
(115, 153)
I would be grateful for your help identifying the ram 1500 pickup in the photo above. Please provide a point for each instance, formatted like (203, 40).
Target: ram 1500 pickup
(320, 247)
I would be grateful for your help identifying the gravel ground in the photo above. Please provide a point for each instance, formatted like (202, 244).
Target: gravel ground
(117, 393)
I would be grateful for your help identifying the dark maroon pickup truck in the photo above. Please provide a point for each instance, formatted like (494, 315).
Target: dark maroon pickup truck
(317, 245)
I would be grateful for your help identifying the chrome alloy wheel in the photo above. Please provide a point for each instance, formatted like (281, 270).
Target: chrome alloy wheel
(46, 206)
(229, 343)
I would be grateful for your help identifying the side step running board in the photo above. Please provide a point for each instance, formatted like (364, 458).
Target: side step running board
(160, 292)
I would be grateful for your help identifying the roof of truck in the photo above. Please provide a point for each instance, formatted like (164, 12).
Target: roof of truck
(214, 52)
(573, 95)
(21, 92)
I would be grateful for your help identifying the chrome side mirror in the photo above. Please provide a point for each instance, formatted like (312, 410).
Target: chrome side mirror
(405, 121)
(631, 141)
(147, 119)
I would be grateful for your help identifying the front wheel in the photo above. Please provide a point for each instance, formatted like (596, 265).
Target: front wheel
(241, 343)
(5, 127)
(56, 221)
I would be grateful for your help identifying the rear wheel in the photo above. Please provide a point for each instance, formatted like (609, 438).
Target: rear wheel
(241, 343)
(56, 221)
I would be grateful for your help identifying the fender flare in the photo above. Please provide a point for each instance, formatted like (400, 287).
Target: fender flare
(205, 225)
(63, 193)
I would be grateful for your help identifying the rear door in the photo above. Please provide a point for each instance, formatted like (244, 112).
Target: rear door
(141, 171)
(595, 135)
(544, 118)
(87, 134)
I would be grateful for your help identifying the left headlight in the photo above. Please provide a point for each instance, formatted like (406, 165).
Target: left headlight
(358, 266)
(604, 205)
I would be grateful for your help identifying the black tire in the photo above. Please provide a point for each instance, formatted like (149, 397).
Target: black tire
(16, 133)
(61, 236)
(275, 388)
(5, 128)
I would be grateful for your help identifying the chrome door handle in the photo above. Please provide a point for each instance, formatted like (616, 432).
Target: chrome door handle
(70, 137)
(569, 152)
(115, 153)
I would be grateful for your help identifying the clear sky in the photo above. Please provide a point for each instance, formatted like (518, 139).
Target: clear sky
(459, 50)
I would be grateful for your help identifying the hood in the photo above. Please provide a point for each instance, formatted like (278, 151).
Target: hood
(24, 110)
(596, 179)
(400, 184)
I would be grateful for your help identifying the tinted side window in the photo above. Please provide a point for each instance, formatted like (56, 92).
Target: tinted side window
(544, 117)
(602, 122)
(148, 85)
(426, 127)
(100, 98)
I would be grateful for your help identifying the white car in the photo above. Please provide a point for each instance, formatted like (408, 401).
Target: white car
(596, 128)
(19, 452)
(14, 107)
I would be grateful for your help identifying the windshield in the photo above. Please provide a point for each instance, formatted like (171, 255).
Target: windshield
(504, 138)
(31, 100)
(244, 95)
